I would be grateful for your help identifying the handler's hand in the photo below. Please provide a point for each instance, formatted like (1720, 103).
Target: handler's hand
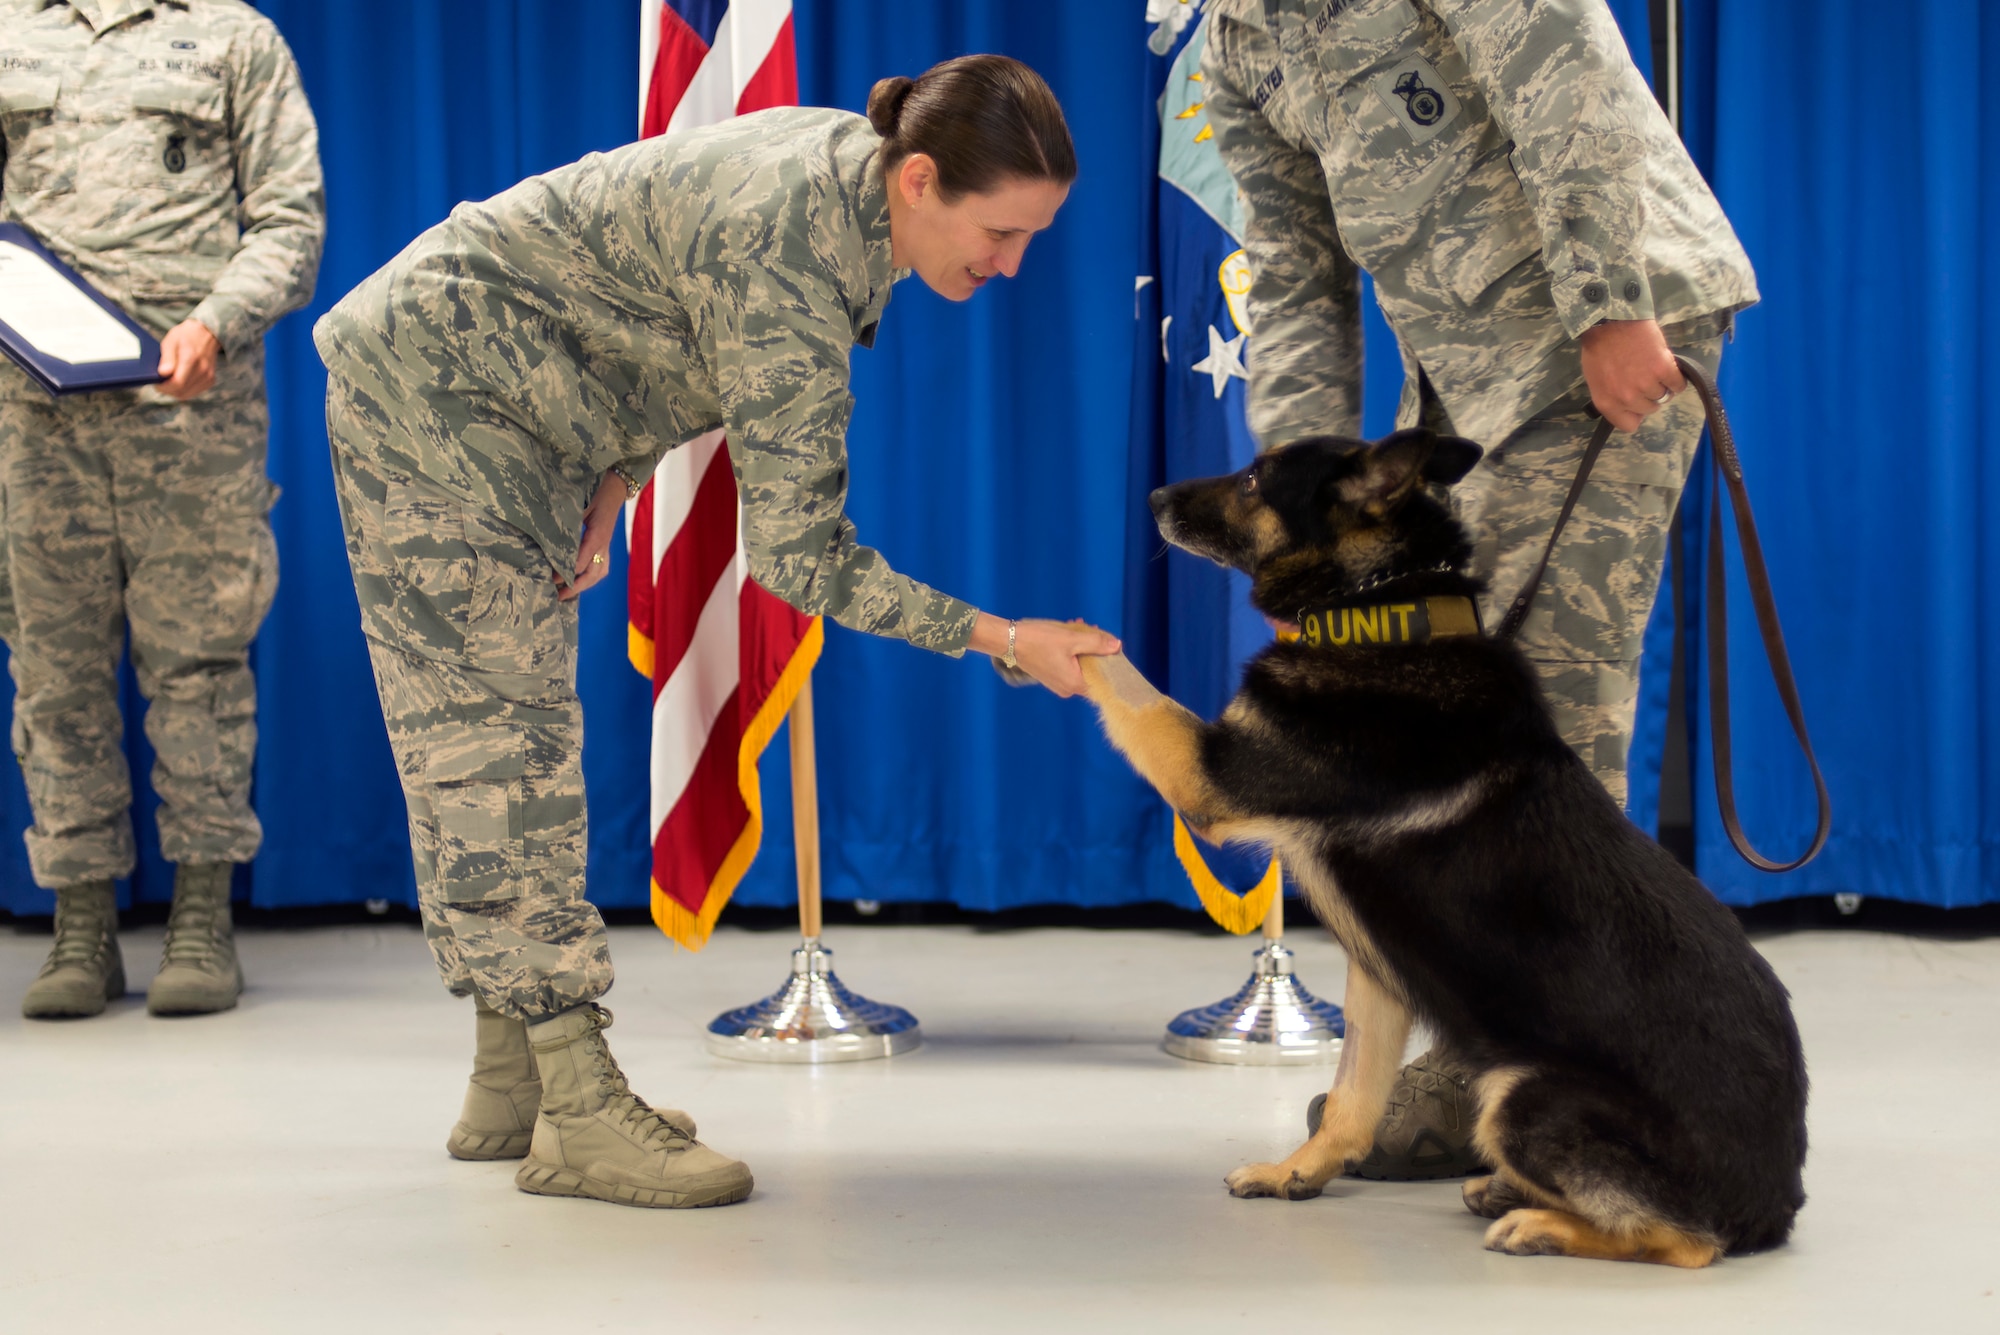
(1628, 367)
(600, 521)
(1046, 650)
(187, 359)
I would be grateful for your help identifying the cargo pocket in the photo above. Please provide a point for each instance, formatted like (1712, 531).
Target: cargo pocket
(248, 575)
(515, 623)
(182, 142)
(7, 626)
(429, 575)
(472, 777)
(553, 839)
(27, 113)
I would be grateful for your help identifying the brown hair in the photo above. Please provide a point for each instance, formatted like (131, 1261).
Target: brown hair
(982, 119)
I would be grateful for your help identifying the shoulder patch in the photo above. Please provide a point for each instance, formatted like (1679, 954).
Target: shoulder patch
(1422, 102)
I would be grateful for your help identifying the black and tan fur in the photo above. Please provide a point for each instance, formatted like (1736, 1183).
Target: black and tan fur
(1643, 1088)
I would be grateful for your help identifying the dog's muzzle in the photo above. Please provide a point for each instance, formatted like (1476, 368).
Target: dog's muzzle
(1161, 503)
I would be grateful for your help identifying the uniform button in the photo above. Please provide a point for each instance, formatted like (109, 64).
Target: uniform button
(1631, 289)
(1594, 292)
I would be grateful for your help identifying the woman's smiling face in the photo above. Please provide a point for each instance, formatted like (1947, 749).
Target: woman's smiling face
(956, 247)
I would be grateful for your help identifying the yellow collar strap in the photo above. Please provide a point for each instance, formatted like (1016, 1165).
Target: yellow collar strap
(1416, 621)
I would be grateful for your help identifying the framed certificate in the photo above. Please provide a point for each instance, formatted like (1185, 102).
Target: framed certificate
(61, 330)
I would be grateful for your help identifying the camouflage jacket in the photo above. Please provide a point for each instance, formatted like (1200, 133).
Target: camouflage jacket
(624, 304)
(1499, 168)
(166, 152)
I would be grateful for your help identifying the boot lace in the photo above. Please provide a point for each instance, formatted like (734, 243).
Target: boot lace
(81, 937)
(635, 1116)
(191, 934)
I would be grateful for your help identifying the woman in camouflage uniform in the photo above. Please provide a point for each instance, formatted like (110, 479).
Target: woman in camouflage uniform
(495, 391)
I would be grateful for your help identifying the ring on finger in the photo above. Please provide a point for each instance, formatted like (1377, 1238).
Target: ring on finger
(1664, 396)
(598, 559)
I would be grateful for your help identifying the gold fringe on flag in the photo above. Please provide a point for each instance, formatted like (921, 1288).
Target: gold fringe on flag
(1241, 914)
(672, 917)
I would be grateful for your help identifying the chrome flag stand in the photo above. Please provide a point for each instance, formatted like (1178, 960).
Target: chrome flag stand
(813, 1017)
(1271, 1021)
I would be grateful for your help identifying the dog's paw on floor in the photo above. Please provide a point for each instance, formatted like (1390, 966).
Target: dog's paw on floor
(1492, 1197)
(1560, 1233)
(1530, 1233)
(1269, 1179)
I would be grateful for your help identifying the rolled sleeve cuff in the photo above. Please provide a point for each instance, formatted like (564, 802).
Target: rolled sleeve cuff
(227, 320)
(1585, 297)
(945, 626)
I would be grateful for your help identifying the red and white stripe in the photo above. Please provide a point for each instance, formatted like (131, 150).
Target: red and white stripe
(725, 657)
(685, 82)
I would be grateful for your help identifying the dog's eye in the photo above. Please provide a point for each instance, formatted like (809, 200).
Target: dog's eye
(1248, 487)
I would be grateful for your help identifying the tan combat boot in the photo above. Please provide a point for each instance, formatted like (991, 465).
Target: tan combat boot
(500, 1101)
(198, 969)
(596, 1138)
(85, 970)
(1426, 1131)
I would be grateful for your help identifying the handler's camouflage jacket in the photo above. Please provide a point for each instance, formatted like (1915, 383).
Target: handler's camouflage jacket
(164, 150)
(631, 301)
(1497, 166)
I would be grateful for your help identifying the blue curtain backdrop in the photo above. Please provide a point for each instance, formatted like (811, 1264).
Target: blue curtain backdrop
(1860, 163)
(990, 455)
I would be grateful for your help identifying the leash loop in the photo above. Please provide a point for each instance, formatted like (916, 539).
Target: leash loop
(1728, 467)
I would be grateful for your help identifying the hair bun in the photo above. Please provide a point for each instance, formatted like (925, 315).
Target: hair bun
(885, 103)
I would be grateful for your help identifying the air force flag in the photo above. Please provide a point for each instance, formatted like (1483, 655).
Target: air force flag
(1190, 622)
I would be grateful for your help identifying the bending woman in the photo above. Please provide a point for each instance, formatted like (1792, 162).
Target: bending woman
(493, 395)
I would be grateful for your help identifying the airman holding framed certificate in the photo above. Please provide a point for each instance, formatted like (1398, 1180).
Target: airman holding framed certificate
(160, 208)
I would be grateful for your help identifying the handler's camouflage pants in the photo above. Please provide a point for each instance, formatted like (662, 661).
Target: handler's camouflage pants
(117, 512)
(1588, 622)
(475, 660)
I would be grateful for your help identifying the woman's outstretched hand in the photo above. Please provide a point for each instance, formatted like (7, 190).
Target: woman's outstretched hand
(1046, 650)
(600, 521)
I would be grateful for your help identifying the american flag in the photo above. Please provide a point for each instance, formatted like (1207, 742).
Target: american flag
(726, 659)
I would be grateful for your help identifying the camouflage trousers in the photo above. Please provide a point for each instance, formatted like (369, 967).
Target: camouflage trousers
(117, 513)
(1588, 623)
(475, 661)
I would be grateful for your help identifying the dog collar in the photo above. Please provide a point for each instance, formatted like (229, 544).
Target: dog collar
(1412, 621)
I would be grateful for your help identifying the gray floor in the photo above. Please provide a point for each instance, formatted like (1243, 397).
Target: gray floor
(1040, 1166)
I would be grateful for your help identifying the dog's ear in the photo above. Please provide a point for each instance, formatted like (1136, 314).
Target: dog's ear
(1388, 470)
(1452, 457)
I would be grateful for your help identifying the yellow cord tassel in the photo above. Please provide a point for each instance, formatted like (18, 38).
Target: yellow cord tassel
(1241, 914)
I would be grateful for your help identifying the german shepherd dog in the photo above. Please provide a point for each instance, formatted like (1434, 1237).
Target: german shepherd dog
(1641, 1090)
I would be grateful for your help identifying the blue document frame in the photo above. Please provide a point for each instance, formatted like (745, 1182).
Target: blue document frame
(53, 373)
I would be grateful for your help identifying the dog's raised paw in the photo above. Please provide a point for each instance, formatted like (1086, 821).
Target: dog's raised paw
(1269, 1179)
(1111, 677)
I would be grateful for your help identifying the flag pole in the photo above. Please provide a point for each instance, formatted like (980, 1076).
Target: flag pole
(805, 811)
(813, 1017)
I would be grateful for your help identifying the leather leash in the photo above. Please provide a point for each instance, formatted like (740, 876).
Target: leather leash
(1728, 467)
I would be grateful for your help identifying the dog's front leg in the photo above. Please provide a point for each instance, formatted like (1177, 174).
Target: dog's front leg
(1161, 738)
(1378, 1026)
